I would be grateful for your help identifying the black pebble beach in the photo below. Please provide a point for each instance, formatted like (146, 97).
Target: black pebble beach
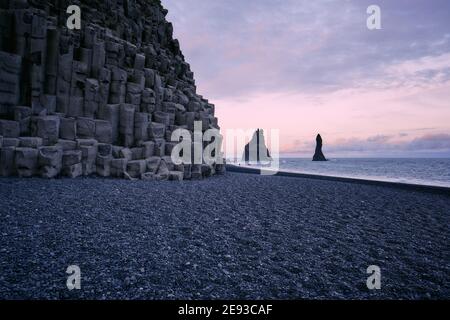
(237, 236)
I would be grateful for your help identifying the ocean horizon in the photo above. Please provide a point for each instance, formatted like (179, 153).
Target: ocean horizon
(422, 171)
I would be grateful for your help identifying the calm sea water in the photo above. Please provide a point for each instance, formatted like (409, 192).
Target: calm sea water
(434, 172)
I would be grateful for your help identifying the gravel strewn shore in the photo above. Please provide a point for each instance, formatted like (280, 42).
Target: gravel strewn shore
(234, 236)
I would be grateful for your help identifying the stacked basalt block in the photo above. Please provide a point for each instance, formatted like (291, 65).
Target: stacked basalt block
(101, 100)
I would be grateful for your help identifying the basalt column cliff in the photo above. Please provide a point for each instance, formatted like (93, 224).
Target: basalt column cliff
(100, 100)
(318, 154)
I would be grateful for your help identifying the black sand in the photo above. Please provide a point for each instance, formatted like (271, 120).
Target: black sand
(235, 236)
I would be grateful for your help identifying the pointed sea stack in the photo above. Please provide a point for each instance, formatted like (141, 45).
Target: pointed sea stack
(256, 150)
(318, 155)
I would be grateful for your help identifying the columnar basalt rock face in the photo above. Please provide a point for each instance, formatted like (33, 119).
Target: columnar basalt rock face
(318, 155)
(256, 150)
(101, 100)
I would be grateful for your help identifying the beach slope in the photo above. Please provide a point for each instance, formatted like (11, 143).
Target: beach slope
(235, 236)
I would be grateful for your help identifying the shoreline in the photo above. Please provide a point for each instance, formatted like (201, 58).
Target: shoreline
(400, 185)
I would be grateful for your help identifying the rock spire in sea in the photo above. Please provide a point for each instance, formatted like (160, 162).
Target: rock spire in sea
(318, 155)
(256, 150)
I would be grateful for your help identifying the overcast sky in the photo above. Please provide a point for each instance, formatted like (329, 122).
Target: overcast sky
(305, 67)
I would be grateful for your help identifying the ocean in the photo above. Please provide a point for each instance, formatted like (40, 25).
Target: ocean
(434, 172)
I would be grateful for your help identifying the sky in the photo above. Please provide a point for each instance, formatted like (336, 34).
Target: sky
(305, 67)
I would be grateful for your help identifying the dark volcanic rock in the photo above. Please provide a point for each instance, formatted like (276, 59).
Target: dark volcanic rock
(256, 150)
(121, 80)
(236, 236)
(318, 155)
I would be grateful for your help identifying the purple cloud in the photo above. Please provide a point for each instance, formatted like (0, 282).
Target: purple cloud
(317, 62)
(239, 48)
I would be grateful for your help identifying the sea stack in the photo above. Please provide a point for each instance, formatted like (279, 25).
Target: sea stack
(318, 155)
(256, 150)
